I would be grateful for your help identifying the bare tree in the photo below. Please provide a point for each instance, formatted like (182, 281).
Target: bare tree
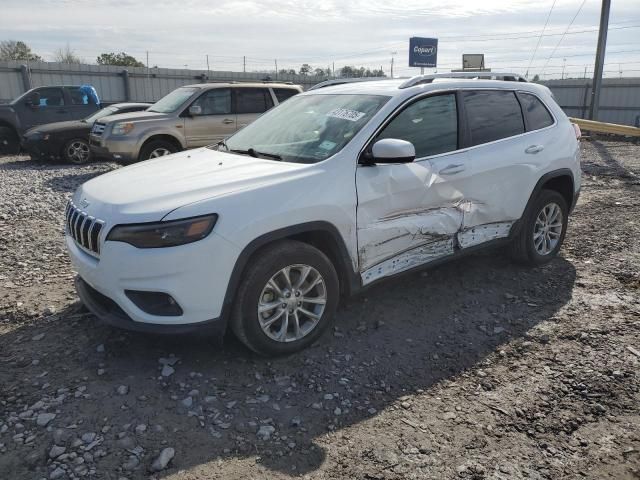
(66, 55)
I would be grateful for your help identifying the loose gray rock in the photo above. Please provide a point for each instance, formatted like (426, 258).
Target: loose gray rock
(43, 419)
(56, 451)
(131, 464)
(57, 473)
(161, 462)
(122, 390)
(265, 432)
(167, 371)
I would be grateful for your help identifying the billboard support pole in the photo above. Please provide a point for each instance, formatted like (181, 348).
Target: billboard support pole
(602, 45)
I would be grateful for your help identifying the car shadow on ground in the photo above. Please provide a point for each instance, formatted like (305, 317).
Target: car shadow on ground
(395, 339)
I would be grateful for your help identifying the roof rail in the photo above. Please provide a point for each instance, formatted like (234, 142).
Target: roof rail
(421, 79)
(341, 81)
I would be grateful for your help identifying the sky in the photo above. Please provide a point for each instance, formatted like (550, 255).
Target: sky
(323, 33)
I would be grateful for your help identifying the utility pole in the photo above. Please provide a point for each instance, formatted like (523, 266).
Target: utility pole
(597, 72)
(147, 63)
(244, 64)
(333, 69)
(208, 67)
(275, 62)
(392, 54)
(564, 64)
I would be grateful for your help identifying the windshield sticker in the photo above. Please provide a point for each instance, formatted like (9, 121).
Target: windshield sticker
(346, 114)
(327, 145)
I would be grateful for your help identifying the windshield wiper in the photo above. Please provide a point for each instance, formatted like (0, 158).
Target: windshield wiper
(254, 153)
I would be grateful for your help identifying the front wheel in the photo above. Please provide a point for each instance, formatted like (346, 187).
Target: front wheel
(156, 149)
(543, 230)
(77, 151)
(286, 300)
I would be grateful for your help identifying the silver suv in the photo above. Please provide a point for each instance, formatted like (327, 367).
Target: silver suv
(190, 116)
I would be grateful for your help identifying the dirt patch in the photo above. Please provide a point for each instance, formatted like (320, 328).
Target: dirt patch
(475, 369)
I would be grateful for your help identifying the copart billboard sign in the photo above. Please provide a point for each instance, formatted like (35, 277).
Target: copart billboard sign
(423, 52)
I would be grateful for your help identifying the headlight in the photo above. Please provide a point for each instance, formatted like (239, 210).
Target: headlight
(122, 128)
(164, 234)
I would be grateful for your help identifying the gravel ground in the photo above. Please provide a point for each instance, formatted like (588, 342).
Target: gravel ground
(475, 369)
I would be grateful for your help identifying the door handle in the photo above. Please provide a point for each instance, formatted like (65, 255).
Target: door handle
(452, 169)
(534, 149)
(227, 121)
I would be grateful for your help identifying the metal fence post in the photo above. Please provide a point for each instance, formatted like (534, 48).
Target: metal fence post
(26, 77)
(127, 85)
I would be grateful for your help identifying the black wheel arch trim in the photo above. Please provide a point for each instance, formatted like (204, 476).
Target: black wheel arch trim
(561, 172)
(344, 269)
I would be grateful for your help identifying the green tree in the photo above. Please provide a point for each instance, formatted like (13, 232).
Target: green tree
(305, 69)
(287, 71)
(16, 50)
(121, 59)
(536, 78)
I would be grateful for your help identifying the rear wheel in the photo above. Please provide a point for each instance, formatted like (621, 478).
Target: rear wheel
(9, 141)
(77, 151)
(286, 299)
(543, 230)
(156, 149)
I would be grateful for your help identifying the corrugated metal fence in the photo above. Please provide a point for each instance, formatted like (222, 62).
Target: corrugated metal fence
(619, 100)
(119, 84)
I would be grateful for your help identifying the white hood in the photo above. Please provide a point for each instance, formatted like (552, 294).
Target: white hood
(147, 191)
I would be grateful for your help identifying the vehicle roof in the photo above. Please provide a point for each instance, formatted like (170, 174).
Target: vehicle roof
(242, 84)
(391, 87)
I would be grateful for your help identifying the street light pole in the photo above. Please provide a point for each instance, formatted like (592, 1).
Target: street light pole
(597, 73)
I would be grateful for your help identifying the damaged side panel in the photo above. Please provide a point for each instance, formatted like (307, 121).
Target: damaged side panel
(409, 259)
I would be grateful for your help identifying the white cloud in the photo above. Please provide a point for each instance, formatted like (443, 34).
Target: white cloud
(178, 33)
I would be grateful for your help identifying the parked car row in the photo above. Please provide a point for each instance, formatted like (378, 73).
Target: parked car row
(63, 122)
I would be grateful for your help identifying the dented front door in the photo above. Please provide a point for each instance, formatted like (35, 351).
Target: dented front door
(409, 214)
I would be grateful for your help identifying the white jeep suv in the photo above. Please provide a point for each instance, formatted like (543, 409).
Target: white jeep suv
(336, 189)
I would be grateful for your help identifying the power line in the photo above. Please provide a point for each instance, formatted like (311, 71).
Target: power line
(563, 35)
(540, 38)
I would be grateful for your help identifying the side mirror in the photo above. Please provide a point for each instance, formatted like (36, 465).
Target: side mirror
(393, 150)
(33, 101)
(195, 110)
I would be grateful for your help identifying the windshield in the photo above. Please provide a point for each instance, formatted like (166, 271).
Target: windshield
(100, 113)
(307, 128)
(171, 102)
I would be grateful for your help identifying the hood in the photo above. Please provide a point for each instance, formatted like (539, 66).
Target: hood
(132, 117)
(61, 126)
(149, 190)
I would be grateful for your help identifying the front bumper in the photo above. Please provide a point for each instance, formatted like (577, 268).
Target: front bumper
(196, 275)
(39, 149)
(110, 313)
(119, 150)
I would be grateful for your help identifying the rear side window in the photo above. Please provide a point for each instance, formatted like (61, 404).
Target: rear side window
(492, 115)
(253, 100)
(283, 93)
(77, 97)
(431, 124)
(535, 112)
(48, 97)
(215, 102)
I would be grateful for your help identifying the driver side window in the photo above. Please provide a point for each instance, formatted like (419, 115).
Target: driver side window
(430, 124)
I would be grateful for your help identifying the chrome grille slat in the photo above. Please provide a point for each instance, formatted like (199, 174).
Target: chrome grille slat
(83, 228)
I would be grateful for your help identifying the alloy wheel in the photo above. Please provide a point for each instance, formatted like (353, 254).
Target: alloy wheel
(292, 303)
(78, 152)
(548, 229)
(159, 152)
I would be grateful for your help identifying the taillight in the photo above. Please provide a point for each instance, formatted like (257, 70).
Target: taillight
(577, 131)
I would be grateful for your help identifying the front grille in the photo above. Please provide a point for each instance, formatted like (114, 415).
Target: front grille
(97, 129)
(84, 228)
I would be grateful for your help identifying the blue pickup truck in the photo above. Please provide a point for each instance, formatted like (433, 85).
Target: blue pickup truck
(43, 105)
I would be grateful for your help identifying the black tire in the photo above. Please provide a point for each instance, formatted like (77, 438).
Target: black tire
(9, 141)
(77, 151)
(522, 248)
(148, 149)
(261, 268)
